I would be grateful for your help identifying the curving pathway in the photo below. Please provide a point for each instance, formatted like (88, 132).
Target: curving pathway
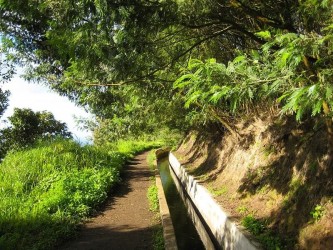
(125, 222)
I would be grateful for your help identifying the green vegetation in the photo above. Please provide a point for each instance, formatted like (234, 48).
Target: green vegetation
(3, 96)
(151, 69)
(27, 126)
(158, 243)
(151, 158)
(317, 212)
(153, 198)
(190, 67)
(158, 238)
(152, 195)
(264, 235)
(242, 210)
(256, 55)
(218, 191)
(48, 189)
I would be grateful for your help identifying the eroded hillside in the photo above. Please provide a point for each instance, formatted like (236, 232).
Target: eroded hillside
(273, 180)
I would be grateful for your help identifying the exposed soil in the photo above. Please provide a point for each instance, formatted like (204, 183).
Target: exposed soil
(125, 222)
(277, 172)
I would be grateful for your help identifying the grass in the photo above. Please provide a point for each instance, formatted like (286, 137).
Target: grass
(152, 195)
(317, 212)
(158, 238)
(153, 198)
(158, 243)
(265, 236)
(218, 191)
(46, 191)
(151, 157)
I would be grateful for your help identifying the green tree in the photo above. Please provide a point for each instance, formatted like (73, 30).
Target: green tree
(96, 51)
(3, 101)
(6, 72)
(27, 126)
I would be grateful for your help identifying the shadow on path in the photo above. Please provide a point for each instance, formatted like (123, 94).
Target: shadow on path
(103, 238)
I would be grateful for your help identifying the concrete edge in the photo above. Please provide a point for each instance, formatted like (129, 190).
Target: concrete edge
(169, 236)
(225, 232)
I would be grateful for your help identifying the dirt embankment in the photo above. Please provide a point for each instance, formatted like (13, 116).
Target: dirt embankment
(276, 172)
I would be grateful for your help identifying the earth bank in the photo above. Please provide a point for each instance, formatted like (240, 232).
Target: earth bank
(273, 180)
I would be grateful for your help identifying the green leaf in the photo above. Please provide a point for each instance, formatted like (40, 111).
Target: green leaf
(193, 97)
(299, 114)
(194, 63)
(283, 59)
(329, 91)
(239, 59)
(219, 94)
(230, 69)
(264, 34)
(250, 93)
(317, 108)
(211, 61)
(182, 81)
(283, 97)
(255, 54)
(233, 105)
(325, 3)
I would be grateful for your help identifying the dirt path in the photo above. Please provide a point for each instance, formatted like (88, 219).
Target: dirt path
(126, 222)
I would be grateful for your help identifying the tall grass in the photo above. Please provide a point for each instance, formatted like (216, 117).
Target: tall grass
(47, 190)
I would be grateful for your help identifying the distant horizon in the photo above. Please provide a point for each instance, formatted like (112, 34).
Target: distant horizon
(41, 98)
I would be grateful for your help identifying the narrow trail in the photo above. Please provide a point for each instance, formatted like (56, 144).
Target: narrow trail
(125, 222)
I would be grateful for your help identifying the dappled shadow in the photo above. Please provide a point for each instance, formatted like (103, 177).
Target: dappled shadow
(132, 162)
(99, 238)
(295, 212)
(208, 152)
(206, 149)
(324, 243)
(295, 149)
(132, 172)
(297, 172)
(304, 152)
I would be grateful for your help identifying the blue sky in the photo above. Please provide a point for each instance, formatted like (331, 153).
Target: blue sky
(39, 98)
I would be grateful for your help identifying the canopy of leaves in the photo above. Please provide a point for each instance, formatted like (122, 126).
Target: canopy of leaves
(297, 74)
(117, 58)
(77, 44)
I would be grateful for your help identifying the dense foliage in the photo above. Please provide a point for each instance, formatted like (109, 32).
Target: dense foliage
(121, 58)
(47, 190)
(27, 126)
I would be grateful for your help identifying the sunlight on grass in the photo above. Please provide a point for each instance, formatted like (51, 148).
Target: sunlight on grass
(47, 190)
